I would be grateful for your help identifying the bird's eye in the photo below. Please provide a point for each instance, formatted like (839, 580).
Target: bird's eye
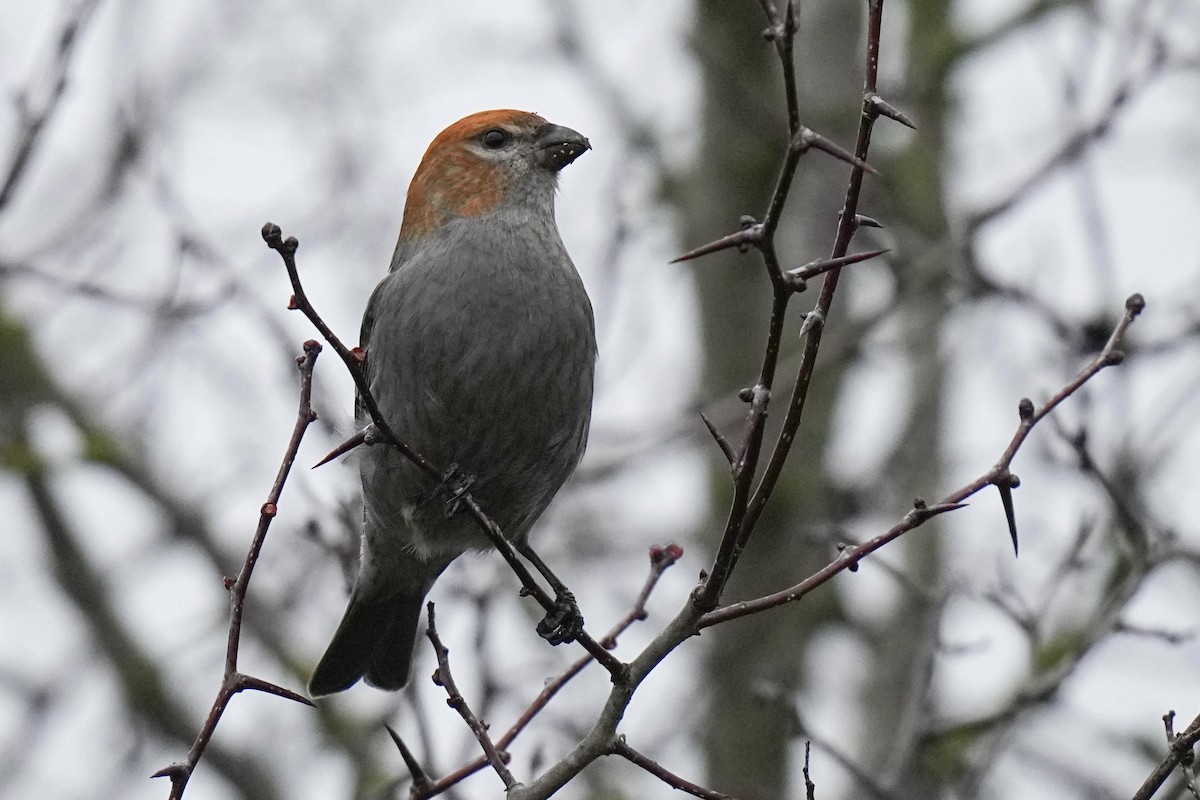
(495, 138)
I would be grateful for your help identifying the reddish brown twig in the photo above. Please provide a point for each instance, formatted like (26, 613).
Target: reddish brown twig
(661, 559)
(455, 700)
(621, 748)
(234, 681)
(999, 474)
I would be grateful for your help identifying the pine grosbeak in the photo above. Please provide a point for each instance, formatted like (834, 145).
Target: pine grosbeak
(480, 350)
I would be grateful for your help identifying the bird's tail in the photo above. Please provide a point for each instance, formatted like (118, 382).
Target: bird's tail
(374, 641)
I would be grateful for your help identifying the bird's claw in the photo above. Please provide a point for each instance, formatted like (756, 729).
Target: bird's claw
(455, 483)
(564, 622)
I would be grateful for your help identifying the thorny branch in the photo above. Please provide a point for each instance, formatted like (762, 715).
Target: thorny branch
(998, 475)
(234, 681)
(622, 748)
(750, 500)
(455, 700)
(661, 559)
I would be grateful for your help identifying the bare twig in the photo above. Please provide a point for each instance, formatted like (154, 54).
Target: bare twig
(33, 115)
(455, 700)
(1179, 753)
(810, 788)
(750, 500)
(234, 681)
(661, 558)
(848, 224)
(622, 748)
(999, 474)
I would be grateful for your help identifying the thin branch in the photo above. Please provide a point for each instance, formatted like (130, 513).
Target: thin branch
(661, 558)
(749, 501)
(1179, 752)
(234, 681)
(848, 224)
(622, 748)
(455, 700)
(846, 559)
(810, 788)
(999, 474)
(34, 119)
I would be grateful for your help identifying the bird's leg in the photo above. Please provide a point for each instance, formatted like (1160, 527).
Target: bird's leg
(455, 483)
(564, 622)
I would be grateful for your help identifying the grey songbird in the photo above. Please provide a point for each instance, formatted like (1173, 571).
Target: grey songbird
(480, 350)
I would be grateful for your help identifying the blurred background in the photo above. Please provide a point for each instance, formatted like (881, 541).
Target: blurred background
(148, 388)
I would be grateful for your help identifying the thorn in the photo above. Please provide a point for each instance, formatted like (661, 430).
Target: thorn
(420, 779)
(751, 234)
(259, 685)
(176, 772)
(1010, 512)
(790, 24)
(343, 448)
(815, 268)
(863, 221)
(812, 320)
(720, 440)
(807, 138)
(878, 105)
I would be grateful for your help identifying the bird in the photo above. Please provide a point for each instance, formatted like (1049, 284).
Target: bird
(480, 351)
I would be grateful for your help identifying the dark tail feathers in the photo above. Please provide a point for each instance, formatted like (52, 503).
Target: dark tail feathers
(374, 641)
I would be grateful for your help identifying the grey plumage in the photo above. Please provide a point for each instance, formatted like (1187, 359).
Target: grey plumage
(480, 352)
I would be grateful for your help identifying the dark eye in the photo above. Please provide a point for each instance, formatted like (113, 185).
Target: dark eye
(495, 138)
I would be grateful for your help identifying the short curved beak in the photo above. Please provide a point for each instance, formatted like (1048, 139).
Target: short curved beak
(558, 146)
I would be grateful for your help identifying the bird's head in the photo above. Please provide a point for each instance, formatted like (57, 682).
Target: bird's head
(485, 161)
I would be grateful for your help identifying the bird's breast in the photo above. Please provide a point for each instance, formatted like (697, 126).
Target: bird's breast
(481, 355)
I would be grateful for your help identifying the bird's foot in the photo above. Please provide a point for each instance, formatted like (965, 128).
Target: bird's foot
(564, 622)
(455, 483)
